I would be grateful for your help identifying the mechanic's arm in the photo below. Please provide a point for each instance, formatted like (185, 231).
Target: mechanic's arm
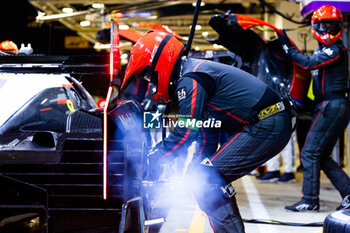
(192, 98)
(319, 59)
(322, 58)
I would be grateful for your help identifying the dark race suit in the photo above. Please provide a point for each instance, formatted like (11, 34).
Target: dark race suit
(330, 116)
(234, 97)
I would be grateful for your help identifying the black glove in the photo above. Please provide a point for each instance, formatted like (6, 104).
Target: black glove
(284, 40)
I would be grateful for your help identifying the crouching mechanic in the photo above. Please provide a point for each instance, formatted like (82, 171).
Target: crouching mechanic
(258, 119)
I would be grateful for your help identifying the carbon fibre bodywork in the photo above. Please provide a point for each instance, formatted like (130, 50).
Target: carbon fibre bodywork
(51, 143)
(264, 59)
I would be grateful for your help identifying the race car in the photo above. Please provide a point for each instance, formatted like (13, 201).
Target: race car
(65, 164)
(52, 173)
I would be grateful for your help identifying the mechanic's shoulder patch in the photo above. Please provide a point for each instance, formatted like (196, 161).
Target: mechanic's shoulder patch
(328, 51)
(181, 94)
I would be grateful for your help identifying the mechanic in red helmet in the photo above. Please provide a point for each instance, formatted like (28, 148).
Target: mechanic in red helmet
(258, 119)
(8, 47)
(331, 114)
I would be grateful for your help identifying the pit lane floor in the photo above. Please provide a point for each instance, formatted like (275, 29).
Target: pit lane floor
(256, 201)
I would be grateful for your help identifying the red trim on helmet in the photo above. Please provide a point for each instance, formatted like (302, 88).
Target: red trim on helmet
(165, 67)
(142, 55)
(327, 39)
(326, 12)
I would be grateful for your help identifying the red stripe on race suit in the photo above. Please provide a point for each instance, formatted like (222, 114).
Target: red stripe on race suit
(62, 101)
(212, 225)
(313, 123)
(227, 112)
(177, 145)
(193, 105)
(227, 144)
(321, 64)
(195, 68)
(194, 97)
(45, 109)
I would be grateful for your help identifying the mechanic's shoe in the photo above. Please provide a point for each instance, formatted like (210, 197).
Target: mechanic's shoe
(304, 205)
(269, 177)
(345, 203)
(261, 171)
(287, 178)
(253, 173)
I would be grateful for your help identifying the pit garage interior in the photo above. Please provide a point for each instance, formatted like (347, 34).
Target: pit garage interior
(64, 182)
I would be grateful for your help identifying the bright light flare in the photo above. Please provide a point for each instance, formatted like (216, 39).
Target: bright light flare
(198, 27)
(85, 23)
(67, 10)
(195, 3)
(111, 64)
(205, 34)
(109, 94)
(98, 5)
(124, 27)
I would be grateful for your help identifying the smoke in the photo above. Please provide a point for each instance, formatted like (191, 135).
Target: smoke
(172, 189)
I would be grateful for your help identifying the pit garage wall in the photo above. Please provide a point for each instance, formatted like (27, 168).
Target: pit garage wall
(301, 36)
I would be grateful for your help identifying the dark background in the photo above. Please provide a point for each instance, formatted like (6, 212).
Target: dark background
(17, 21)
(18, 24)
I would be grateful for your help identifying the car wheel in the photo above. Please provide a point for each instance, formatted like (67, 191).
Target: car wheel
(337, 222)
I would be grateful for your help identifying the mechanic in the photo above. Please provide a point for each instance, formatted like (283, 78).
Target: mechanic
(137, 90)
(8, 47)
(331, 114)
(258, 119)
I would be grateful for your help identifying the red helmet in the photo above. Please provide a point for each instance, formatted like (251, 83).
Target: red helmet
(154, 57)
(8, 47)
(327, 24)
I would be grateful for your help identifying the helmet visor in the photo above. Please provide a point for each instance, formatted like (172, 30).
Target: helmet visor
(325, 27)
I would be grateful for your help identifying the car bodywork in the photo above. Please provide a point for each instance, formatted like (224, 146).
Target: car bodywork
(51, 146)
(35, 108)
(264, 59)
